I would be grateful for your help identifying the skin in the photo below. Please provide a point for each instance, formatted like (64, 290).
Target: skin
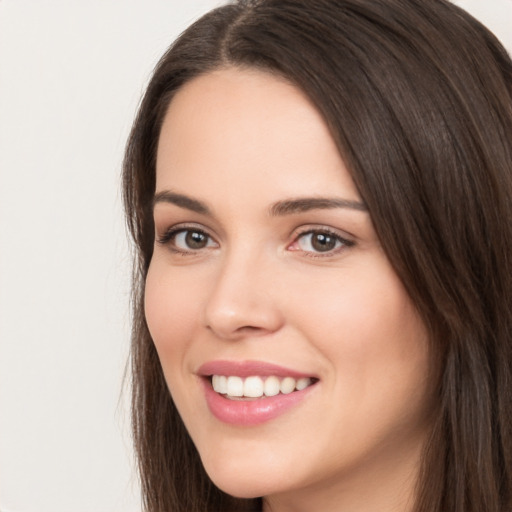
(239, 141)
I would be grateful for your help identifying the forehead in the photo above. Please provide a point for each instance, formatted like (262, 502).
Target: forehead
(241, 127)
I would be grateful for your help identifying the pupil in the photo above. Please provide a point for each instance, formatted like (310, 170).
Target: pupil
(195, 240)
(322, 242)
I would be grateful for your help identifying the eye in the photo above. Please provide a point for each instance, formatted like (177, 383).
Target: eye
(320, 241)
(186, 240)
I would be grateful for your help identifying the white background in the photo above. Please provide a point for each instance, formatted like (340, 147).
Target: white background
(71, 75)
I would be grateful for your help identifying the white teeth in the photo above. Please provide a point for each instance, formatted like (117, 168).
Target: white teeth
(253, 387)
(287, 385)
(220, 383)
(303, 383)
(235, 386)
(223, 384)
(256, 387)
(271, 386)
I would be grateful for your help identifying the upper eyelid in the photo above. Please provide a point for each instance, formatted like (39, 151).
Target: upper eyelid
(173, 231)
(294, 235)
(168, 240)
(326, 231)
(186, 226)
(306, 229)
(343, 240)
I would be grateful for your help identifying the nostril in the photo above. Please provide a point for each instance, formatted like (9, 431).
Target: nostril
(235, 333)
(249, 328)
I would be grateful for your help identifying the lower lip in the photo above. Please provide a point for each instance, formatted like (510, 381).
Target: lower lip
(251, 412)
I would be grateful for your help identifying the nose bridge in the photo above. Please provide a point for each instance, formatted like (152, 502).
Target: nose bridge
(241, 300)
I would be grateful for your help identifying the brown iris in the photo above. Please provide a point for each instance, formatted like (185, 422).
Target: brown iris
(323, 242)
(196, 240)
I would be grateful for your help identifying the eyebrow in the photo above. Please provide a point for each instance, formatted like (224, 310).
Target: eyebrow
(278, 209)
(182, 201)
(305, 204)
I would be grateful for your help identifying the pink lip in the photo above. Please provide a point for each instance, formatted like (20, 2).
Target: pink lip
(255, 411)
(248, 369)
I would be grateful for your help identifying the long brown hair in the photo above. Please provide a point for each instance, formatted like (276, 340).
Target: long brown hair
(418, 97)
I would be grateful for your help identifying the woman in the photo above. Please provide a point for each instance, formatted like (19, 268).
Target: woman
(319, 198)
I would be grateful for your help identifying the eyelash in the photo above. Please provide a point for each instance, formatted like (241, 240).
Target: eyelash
(170, 235)
(343, 242)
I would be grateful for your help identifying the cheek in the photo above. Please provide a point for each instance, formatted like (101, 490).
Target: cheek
(365, 325)
(171, 309)
(378, 353)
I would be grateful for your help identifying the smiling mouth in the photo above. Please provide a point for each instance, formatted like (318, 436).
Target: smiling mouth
(254, 387)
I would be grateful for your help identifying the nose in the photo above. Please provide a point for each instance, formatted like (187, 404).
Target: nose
(243, 302)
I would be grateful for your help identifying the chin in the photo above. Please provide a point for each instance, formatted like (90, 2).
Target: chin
(241, 486)
(243, 480)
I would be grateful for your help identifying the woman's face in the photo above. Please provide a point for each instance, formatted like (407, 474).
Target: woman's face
(268, 277)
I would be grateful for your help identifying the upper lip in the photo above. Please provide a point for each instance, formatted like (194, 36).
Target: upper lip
(248, 369)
